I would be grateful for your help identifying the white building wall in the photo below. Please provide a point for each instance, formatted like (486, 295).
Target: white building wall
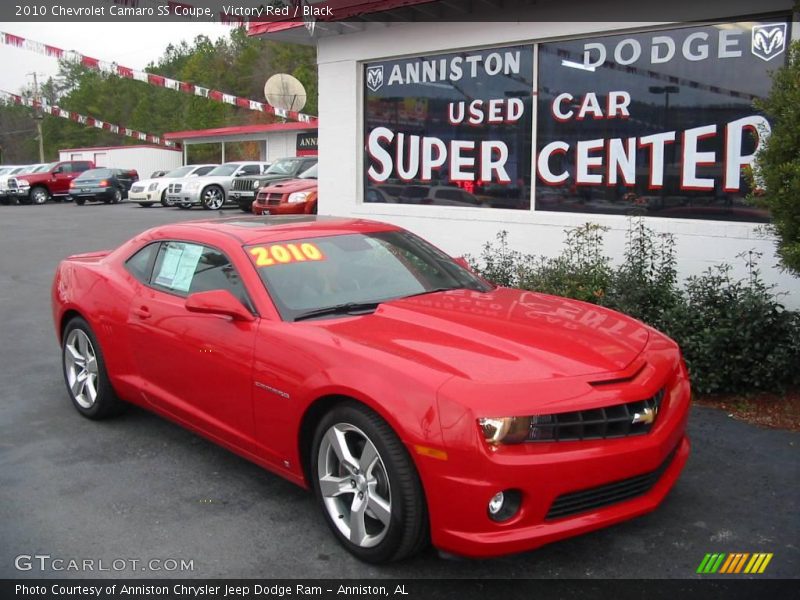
(700, 244)
(144, 160)
(281, 145)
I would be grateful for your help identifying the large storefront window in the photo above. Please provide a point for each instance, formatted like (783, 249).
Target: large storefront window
(450, 129)
(659, 123)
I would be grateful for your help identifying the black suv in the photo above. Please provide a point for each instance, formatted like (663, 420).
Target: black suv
(244, 189)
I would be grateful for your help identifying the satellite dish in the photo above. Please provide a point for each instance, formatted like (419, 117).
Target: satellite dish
(285, 91)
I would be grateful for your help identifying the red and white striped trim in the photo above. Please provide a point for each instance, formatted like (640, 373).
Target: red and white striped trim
(57, 111)
(113, 68)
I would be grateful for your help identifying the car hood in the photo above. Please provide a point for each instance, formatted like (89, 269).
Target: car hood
(501, 336)
(292, 185)
(147, 182)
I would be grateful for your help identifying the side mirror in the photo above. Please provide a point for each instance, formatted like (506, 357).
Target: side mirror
(218, 302)
(58, 170)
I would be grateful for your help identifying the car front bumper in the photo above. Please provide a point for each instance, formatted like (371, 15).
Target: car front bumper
(144, 196)
(297, 208)
(184, 197)
(599, 482)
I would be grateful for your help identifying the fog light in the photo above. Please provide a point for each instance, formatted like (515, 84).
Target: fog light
(504, 505)
(496, 503)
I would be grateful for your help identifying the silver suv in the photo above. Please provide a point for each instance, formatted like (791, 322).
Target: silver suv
(211, 190)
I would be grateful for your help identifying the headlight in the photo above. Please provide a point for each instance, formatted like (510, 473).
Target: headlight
(192, 186)
(256, 184)
(152, 187)
(23, 183)
(298, 197)
(505, 430)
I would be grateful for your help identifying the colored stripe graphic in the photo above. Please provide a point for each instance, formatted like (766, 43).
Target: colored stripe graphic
(733, 563)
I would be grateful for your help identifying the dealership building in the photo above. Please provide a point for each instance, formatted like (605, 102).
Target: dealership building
(440, 118)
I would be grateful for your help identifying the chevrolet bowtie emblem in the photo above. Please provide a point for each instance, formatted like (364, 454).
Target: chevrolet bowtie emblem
(647, 416)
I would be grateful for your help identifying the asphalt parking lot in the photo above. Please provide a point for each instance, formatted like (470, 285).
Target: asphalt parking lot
(139, 487)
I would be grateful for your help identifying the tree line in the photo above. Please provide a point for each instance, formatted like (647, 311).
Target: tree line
(237, 64)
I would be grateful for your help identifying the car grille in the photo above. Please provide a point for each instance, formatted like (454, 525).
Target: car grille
(610, 493)
(244, 185)
(137, 188)
(272, 199)
(12, 184)
(174, 188)
(619, 420)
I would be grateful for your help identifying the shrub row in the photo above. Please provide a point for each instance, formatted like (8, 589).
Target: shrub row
(735, 334)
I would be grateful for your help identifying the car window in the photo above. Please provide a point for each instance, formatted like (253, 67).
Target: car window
(250, 170)
(65, 168)
(183, 268)
(203, 170)
(140, 265)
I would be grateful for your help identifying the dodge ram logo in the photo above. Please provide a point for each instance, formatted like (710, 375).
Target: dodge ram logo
(769, 40)
(375, 78)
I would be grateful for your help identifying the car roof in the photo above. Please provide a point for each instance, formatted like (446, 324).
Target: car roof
(262, 229)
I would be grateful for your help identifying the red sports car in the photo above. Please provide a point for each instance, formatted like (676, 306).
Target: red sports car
(418, 401)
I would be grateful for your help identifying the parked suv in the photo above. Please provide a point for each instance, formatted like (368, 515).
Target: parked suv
(51, 182)
(244, 189)
(211, 190)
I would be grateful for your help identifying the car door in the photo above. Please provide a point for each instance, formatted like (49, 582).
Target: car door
(62, 175)
(196, 367)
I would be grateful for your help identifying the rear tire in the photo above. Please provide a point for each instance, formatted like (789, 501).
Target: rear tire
(85, 373)
(80, 201)
(117, 197)
(146, 204)
(367, 486)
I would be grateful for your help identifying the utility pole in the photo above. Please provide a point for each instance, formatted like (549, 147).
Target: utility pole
(38, 115)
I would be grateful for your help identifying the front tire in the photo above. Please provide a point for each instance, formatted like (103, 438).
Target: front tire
(146, 204)
(39, 195)
(212, 197)
(85, 373)
(367, 486)
(80, 201)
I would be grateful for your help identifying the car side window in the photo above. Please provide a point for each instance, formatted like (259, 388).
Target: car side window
(183, 268)
(140, 265)
(203, 170)
(250, 170)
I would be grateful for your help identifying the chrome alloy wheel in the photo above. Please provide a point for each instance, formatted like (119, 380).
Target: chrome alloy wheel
(80, 367)
(213, 198)
(354, 485)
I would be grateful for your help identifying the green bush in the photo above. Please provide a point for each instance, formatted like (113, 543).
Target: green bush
(735, 335)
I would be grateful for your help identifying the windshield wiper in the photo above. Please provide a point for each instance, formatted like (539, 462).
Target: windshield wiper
(434, 290)
(349, 308)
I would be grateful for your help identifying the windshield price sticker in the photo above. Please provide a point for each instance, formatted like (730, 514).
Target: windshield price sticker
(282, 254)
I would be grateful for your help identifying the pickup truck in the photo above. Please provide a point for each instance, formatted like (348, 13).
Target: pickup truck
(51, 182)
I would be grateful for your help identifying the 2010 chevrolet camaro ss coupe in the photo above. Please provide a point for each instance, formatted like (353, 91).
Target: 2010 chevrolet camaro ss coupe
(418, 401)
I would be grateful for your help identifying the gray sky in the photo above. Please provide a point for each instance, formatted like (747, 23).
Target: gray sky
(129, 44)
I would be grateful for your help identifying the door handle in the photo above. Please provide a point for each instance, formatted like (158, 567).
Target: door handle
(142, 312)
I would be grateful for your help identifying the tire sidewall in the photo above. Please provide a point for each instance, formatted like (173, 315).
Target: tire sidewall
(348, 413)
(33, 193)
(106, 401)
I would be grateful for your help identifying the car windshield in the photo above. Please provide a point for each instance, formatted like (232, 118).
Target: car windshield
(311, 275)
(95, 174)
(281, 167)
(309, 173)
(226, 169)
(180, 171)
